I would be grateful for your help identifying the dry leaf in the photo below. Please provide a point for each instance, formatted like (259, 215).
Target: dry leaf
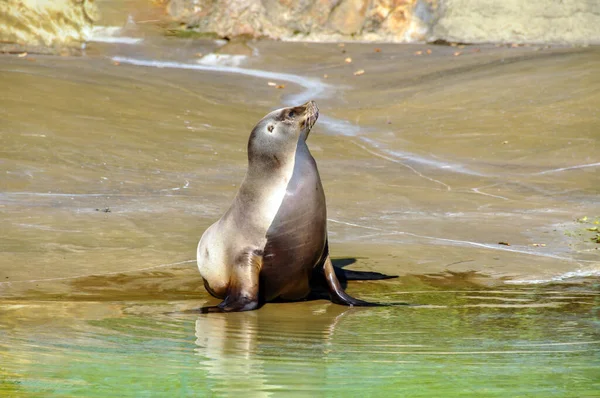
(281, 86)
(456, 54)
(116, 63)
(341, 45)
(325, 76)
(22, 55)
(272, 84)
(348, 60)
(378, 50)
(199, 55)
(504, 243)
(359, 72)
(428, 51)
(418, 52)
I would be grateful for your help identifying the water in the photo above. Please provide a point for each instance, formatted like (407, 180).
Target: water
(113, 164)
(467, 342)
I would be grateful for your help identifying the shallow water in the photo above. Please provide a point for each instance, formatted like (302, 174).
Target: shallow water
(113, 164)
(468, 342)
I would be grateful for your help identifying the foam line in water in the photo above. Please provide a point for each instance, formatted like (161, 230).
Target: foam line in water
(457, 242)
(110, 34)
(116, 40)
(313, 88)
(558, 278)
(457, 168)
(339, 126)
(394, 160)
(222, 60)
(581, 166)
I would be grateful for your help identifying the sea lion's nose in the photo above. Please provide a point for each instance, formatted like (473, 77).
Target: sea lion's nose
(312, 109)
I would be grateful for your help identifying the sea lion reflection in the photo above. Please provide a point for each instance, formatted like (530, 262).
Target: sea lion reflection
(239, 351)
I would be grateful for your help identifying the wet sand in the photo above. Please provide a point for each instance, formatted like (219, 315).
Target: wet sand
(428, 161)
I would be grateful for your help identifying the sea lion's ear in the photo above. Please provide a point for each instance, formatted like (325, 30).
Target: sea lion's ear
(270, 127)
(282, 115)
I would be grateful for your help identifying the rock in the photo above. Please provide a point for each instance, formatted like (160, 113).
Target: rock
(57, 26)
(515, 21)
(349, 17)
(312, 20)
(467, 21)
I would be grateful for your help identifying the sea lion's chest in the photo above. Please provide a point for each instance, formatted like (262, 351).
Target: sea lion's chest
(296, 237)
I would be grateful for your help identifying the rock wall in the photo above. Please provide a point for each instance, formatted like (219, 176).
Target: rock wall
(318, 20)
(518, 21)
(468, 21)
(45, 25)
(64, 25)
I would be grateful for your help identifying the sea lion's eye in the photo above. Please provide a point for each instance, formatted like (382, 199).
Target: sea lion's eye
(270, 128)
(291, 114)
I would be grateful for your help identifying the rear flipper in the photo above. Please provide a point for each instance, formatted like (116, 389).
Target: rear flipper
(344, 275)
(242, 294)
(337, 293)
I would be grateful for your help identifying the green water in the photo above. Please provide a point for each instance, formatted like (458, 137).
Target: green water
(541, 342)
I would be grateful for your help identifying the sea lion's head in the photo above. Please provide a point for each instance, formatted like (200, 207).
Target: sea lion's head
(274, 139)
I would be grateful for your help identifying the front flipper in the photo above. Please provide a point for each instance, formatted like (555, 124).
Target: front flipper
(242, 294)
(337, 293)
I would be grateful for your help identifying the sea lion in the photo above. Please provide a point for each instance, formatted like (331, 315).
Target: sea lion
(272, 242)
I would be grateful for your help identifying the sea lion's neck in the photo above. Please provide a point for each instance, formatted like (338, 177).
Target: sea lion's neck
(271, 166)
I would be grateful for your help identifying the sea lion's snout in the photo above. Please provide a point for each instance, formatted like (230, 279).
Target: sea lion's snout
(312, 110)
(312, 114)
